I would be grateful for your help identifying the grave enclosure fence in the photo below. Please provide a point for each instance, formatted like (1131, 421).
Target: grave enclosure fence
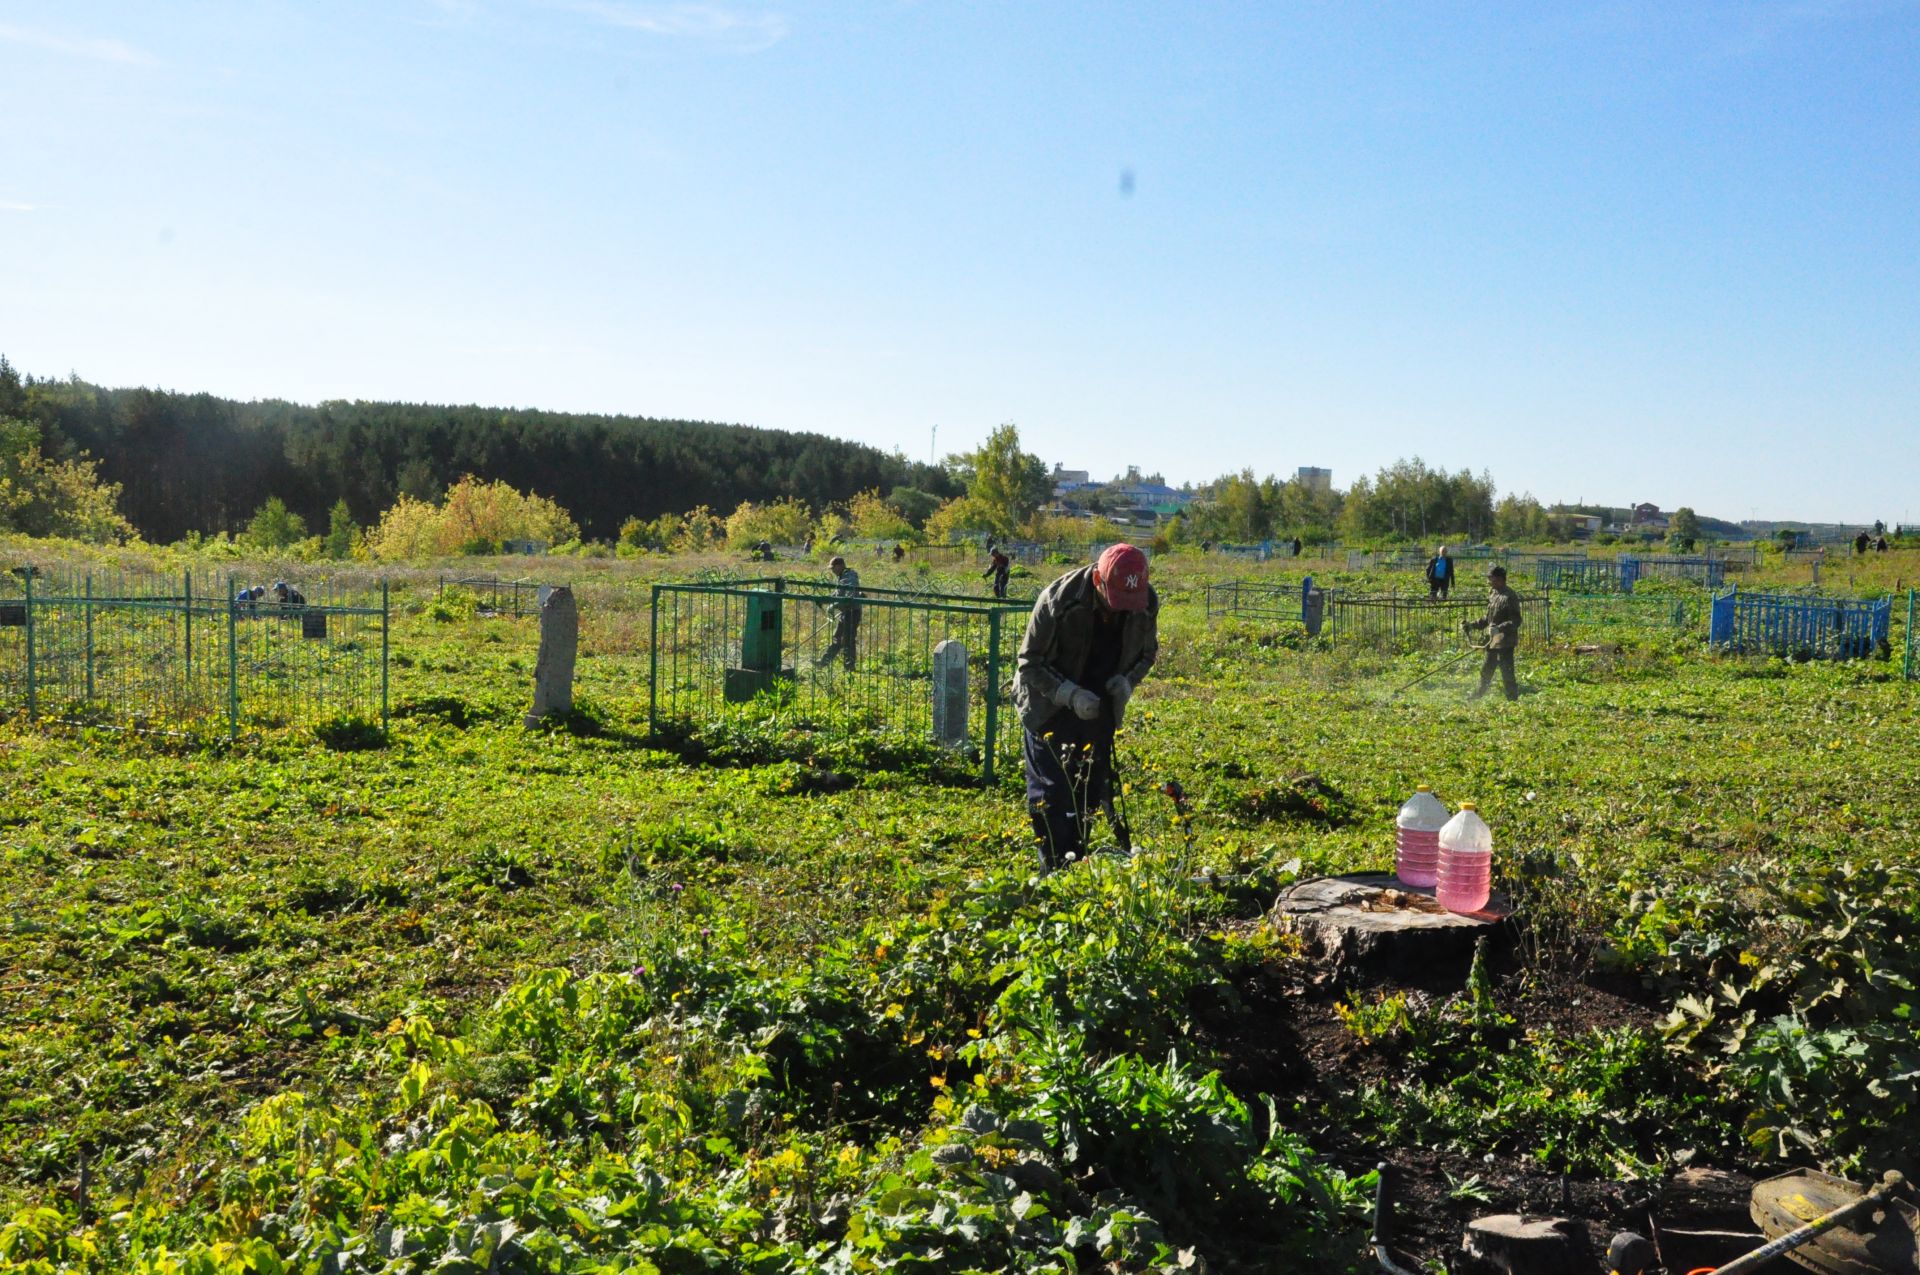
(494, 596)
(924, 668)
(134, 650)
(1803, 626)
(1255, 599)
(1412, 622)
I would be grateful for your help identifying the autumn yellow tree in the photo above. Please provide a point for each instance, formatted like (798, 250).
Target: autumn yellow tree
(784, 522)
(474, 517)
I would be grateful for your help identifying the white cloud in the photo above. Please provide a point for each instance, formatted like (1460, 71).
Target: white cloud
(744, 32)
(14, 205)
(98, 50)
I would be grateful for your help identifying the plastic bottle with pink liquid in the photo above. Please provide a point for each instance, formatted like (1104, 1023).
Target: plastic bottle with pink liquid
(1416, 838)
(1466, 862)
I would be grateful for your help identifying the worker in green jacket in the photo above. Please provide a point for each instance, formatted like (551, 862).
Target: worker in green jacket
(1502, 627)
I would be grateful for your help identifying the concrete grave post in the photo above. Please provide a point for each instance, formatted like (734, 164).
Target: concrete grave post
(559, 644)
(950, 694)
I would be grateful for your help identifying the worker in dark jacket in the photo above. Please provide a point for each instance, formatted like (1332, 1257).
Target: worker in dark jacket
(1092, 637)
(1439, 576)
(846, 614)
(998, 565)
(1502, 626)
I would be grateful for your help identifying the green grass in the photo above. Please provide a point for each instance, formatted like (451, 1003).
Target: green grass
(562, 996)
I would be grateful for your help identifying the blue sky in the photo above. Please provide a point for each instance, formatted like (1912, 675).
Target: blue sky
(1613, 252)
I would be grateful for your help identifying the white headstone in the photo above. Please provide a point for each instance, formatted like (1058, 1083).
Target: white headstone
(950, 694)
(559, 643)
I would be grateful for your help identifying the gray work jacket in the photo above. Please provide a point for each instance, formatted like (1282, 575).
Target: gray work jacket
(1059, 640)
(1503, 620)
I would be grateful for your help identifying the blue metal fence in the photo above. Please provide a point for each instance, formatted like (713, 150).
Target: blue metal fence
(1800, 626)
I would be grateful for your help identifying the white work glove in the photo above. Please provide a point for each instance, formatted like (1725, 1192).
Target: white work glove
(1119, 690)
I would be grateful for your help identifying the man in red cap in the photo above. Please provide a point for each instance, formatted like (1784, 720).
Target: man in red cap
(1093, 635)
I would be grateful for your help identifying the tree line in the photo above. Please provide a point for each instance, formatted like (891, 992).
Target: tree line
(198, 463)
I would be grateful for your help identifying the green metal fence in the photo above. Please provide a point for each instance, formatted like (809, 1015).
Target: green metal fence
(1593, 616)
(188, 654)
(745, 650)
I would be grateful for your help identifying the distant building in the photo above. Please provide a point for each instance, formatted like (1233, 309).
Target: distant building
(1647, 513)
(1314, 478)
(1160, 499)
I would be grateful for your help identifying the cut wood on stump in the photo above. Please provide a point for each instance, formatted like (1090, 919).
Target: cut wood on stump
(1371, 921)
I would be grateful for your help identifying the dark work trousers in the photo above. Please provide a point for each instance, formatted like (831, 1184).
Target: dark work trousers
(846, 630)
(1069, 777)
(1501, 659)
(999, 584)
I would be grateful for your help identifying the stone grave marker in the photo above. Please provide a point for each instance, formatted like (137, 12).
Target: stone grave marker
(559, 644)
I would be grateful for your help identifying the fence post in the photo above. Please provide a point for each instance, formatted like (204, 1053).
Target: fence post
(386, 626)
(1906, 665)
(33, 699)
(993, 694)
(653, 662)
(233, 660)
(186, 608)
(89, 610)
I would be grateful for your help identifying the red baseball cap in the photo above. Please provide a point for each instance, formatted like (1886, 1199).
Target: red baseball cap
(1121, 574)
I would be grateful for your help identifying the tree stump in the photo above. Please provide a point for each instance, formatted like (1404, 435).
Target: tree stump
(1514, 1245)
(1372, 921)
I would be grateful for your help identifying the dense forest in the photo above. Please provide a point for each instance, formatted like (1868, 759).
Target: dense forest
(195, 462)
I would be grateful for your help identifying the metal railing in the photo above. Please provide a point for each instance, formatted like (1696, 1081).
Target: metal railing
(494, 596)
(1701, 569)
(1907, 670)
(140, 651)
(1410, 621)
(1256, 599)
(1798, 626)
(1580, 575)
(1590, 616)
(727, 654)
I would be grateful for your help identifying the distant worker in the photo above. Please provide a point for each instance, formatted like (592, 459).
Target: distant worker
(1296, 546)
(809, 542)
(899, 551)
(288, 596)
(1439, 575)
(998, 566)
(1880, 545)
(763, 551)
(1860, 543)
(251, 598)
(1093, 636)
(1502, 626)
(846, 614)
